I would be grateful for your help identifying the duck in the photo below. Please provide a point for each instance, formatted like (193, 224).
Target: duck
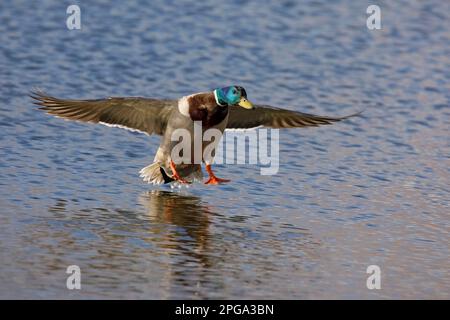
(220, 109)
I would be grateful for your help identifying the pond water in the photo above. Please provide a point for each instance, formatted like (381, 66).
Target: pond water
(373, 190)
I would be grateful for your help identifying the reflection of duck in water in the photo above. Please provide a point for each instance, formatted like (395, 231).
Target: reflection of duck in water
(188, 244)
(186, 212)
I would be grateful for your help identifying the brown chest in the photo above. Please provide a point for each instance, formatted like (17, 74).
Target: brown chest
(209, 117)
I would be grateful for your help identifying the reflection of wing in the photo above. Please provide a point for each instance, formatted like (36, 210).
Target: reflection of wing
(267, 116)
(142, 114)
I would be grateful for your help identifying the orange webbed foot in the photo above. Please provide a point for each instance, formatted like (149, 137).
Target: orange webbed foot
(176, 176)
(179, 179)
(212, 178)
(215, 180)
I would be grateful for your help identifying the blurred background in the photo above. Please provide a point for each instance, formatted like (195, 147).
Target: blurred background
(370, 190)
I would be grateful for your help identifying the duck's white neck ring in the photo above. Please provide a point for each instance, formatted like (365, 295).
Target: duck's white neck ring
(217, 99)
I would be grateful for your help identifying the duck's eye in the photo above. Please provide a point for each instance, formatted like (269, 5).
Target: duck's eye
(234, 92)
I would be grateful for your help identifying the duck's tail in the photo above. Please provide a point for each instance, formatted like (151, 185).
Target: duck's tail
(155, 174)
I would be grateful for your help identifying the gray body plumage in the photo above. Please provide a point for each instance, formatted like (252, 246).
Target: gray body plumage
(191, 170)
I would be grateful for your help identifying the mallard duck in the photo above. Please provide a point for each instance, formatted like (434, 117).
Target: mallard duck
(222, 108)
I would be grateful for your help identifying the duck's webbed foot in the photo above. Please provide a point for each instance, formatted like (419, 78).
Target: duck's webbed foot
(212, 177)
(175, 175)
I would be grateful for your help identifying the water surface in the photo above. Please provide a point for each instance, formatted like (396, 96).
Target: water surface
(371, 190)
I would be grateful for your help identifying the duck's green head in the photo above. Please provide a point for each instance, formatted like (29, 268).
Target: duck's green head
(232, 96)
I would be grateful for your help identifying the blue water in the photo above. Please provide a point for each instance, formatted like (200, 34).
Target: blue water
(373, 190)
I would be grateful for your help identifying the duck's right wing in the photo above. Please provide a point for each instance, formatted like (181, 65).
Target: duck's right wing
(146, 115)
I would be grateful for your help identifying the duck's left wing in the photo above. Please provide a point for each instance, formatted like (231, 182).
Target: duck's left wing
(271, 117)
(141, 114)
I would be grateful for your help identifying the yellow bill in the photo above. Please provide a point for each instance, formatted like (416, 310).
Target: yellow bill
(244, 103)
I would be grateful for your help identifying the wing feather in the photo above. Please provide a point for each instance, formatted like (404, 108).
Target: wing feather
(268, 116)
(142, 114)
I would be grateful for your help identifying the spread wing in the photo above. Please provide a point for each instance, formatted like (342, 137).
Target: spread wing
(141, 114)
(267, 116)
